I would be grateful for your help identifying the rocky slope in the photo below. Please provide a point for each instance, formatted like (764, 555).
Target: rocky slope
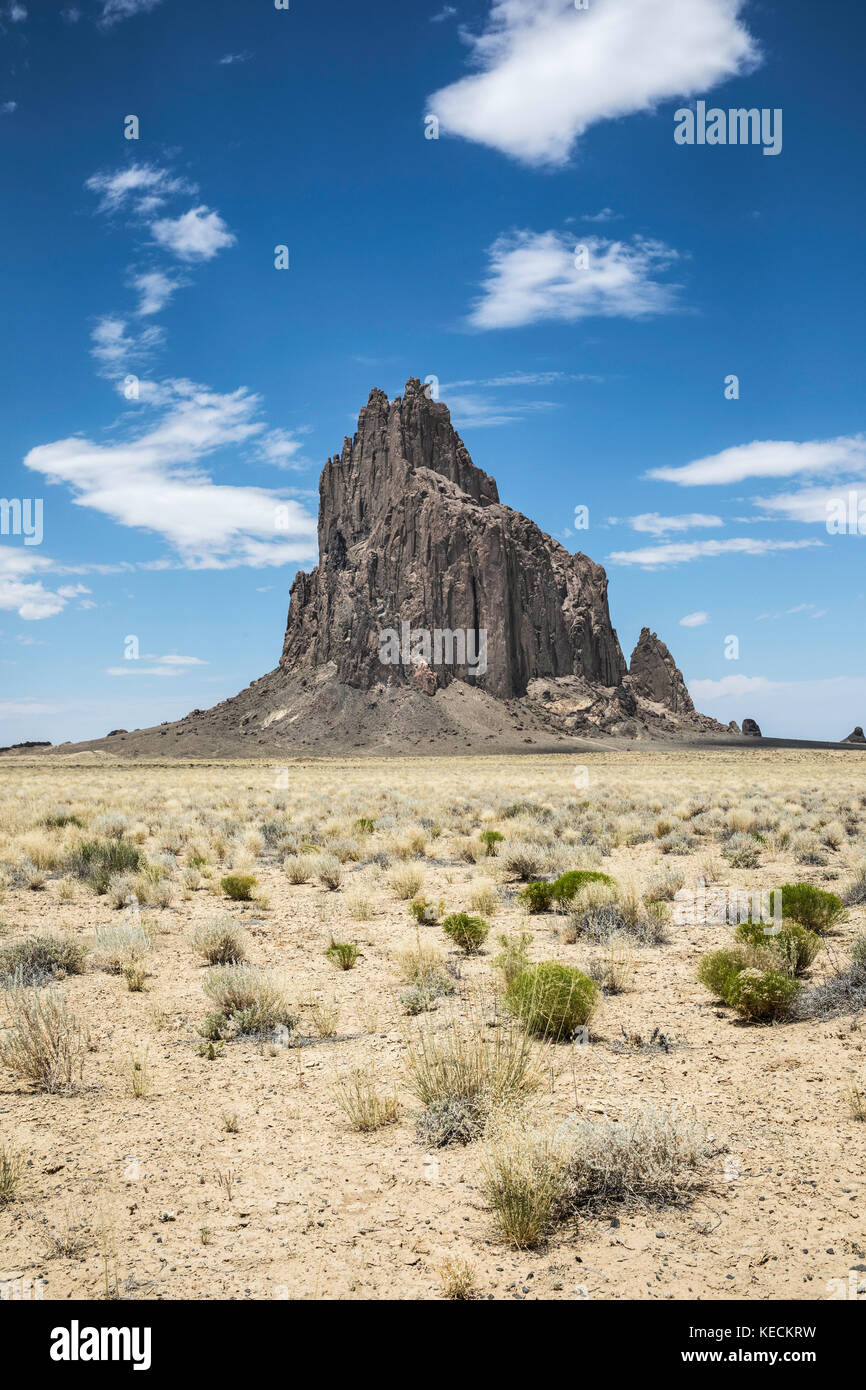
(436, 616)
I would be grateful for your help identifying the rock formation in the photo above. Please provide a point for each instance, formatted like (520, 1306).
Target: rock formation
(751, 729)
(437, 619)
(653, 673)
(410, 531)
(856, 736)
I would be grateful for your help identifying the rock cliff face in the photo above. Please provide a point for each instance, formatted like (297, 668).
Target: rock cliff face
(856, 736)
(410, 531)
(654, 674)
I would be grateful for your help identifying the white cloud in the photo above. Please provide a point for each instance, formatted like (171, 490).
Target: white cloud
(17, 13)
(228, 59)
(71, 15)
(470, 410)
(151, 184)
(8, 107)
(197, 235)
(679, 552)
(825, 708)
(20, 591)
(447, 12)
(279, 447)
(170, 665)
(536, 276)
(709, 691)
(695, 619)
(605, 215)
(769, 458)
(154, 481)
(549, 71)
(658, 525)
(155, 289)
(115, 11)
(116, 350)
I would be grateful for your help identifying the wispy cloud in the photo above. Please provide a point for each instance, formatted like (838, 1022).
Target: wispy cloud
(171, 665)
(547, 71)
(116, 11)
(695, 619)
(538, 276)
(154, 480)
(155, 289)
(9, 107)
(146, 184)
(681, 552)
(657, 525)
(769, 458)
(230, 59)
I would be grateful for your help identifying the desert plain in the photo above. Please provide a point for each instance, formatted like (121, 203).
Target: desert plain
(176, 1158)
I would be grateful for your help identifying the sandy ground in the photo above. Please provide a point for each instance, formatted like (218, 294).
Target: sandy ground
(296, 1204)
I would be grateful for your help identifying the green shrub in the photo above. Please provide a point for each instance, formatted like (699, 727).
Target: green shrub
(762, 994)
(569, 884)
(811, 907)
(98, 861)
(60, 819)
(536, 896)
(424, 911)
(513, 959)
(469, 933)
(34, 959)
(239, 887)
(795, 946)
(343, 954)
(552, 1000)
(247, 1001)
(365, 825)
(717, 970)
(491, 838)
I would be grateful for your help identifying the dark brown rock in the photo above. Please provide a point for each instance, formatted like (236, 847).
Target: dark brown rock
(410, 531)
(751, 729)
(856, 736)
(654, 674)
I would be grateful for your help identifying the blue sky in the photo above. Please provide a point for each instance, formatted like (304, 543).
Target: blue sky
(179, 516)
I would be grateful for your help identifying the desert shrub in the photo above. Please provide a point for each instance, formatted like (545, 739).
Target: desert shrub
(45, 1042)
(812, 907)
(12, 1167)
(464, 1074)
(613, 972)
(329, 871)
(808, 850)
(717, 969)
(568, 885)
(484, 899)
(604, 910)
(221, 941)
(343, 954)
(98, 861)
(795, 945)
(513, 958)
(524, 860)
(468, 933)
(247, 1001)
(741, 852)
(359, 906)
(424, 911)
(459, 1281)
(552, 1000)
(855, 894)
(118, 947)
(365, 825)
(858, 953)
(58, 820)
(239, 887)
(30, 875)
(427, 975)
(32, 960)
(537, 896)
(525, 1184)
(651, 1153)
(490, 839)
(363, 1104)
(664, 886)
(405, 882)
(299, 868)
(761, 994)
